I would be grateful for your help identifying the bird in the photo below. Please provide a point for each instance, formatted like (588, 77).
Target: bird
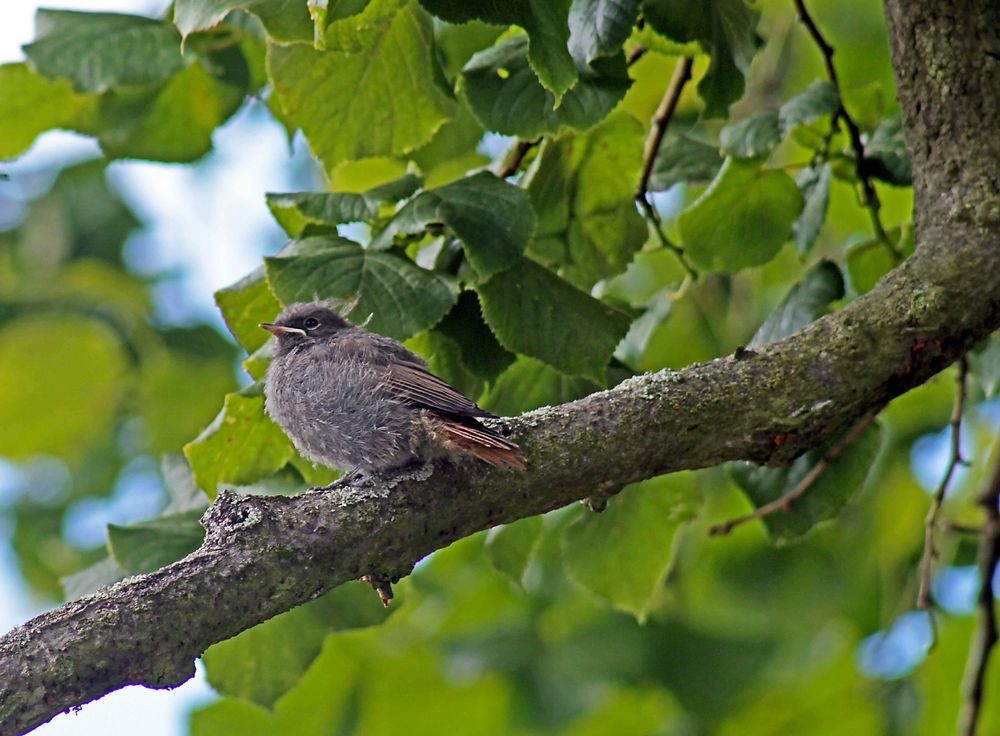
(358, 401)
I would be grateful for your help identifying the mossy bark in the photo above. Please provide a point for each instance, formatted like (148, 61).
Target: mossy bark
(264, 555)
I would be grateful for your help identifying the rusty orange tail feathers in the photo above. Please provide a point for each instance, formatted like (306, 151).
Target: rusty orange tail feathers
(484, 444)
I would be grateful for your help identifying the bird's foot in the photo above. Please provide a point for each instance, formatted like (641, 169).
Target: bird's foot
(345, 480)
(381, 585)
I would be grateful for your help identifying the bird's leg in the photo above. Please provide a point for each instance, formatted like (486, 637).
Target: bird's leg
(381, 585)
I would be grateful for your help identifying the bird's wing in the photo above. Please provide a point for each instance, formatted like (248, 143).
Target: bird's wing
(419, 386)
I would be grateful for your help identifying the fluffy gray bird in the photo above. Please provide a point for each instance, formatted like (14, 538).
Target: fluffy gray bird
(355, 400)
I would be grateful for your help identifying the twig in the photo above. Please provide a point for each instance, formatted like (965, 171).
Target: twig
(635, 54)
(869, 195)
(985, 637)
(516, 157)
(954, 460)
(661, 120)
(785, 502)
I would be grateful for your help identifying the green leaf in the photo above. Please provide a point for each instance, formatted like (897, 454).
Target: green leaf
(623, 554)
(533, 311)
(99, 51)
(493, 220)
(529, 384)
(682, 159)
(285, 20)
(984, 363)
(338, 96)
(173, 124)
(506, 97)
(806, 302)
(510, 547)
(824, 500)
(752, 137)
(401, 297)
(818, 99)
(294, 211)
(444, 358)
(584, 188)
(742, 219)
(598, 28)
(886, 157)
(870, 260)
(815, 187)
(103, 572)
(149, 545)
(263, 663)
(30, 104)
(477, 345)
(725, 30)
(246, 304)
(545, 22)
(63, 378)
(240, 446)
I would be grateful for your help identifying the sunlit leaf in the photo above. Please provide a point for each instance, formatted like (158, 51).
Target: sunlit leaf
(742, 219)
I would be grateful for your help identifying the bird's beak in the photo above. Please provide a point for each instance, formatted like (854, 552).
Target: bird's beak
(279, 330)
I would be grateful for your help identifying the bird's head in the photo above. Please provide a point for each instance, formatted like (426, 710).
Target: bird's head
(303, 323)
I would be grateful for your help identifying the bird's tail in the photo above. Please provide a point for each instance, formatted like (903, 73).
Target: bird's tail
(484, 443)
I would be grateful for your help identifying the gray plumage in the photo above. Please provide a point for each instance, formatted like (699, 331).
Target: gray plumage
(352, 399)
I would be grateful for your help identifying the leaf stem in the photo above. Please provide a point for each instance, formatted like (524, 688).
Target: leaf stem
(658, 129)
(869, 196)
(516, 157)
(954, 460)
(785, 502)
(985, 636)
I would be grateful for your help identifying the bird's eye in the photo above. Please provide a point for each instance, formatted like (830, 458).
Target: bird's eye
(311, 323)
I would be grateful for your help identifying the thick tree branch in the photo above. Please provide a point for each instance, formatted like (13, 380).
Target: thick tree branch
(264, 555)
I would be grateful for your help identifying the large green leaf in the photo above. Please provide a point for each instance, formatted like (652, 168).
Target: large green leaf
(510, 546)
(506, 97)
(584, 188)
(63, 376)
(149, 545)
(401, 297)
(824, 500)
(99, 51)
(371, 91)
(493, 220)
(533, 311)
(295, 210)
(263, 663)
(724, 29)
(246, 304)
(624, 553)
(598, 28)
(239, 447)
(285, 20)
(172, 124)
(30, 104)
(545, 22)
(529, 384)
(478, 348)
(742, 219)
(807, 301)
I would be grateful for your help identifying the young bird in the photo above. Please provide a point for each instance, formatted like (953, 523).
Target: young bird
(351, 399)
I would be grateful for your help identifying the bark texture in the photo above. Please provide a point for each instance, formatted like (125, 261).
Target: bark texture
(264, 555)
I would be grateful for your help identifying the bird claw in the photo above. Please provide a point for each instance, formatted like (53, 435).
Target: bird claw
(381, 585)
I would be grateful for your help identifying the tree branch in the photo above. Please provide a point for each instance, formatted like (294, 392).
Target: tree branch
(264, 555)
